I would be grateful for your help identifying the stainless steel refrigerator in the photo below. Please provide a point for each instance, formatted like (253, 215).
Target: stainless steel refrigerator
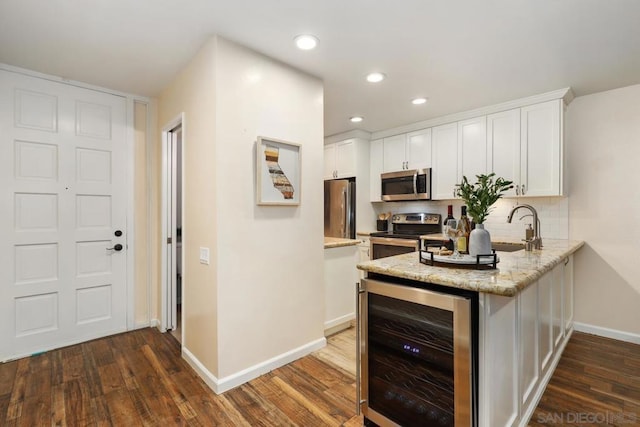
(340, 208)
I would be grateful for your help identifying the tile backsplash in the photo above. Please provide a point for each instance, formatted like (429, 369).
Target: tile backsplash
(552, 211)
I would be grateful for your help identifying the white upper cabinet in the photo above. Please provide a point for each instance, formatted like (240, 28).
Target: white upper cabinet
(340, 159)
(394, 153)
(472, 148)
(375, 169)
(503, 143)
(445, 161)
(525, 146)
(418, 149)
(407, 151)
(541, 149)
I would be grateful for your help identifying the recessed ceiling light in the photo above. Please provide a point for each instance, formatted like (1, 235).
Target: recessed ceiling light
(356, 119)
(375, 77)
(419, 101)
(306, 41)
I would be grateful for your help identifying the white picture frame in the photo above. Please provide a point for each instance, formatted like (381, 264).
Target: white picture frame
(278, 172)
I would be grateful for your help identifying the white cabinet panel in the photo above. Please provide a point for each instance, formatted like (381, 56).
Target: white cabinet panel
(545, 320)
(500, 396)
(567, 297)
(445, 161)
(529, 367)
(418, 149)
(557, 276)
(394, 153)
(340, 160)
(541, 149)
(329, 161)
(375, 169)
(472, 148)
(503, 143)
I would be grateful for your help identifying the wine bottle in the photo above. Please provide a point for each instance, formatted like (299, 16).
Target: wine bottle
(449, 243)
(465, 229)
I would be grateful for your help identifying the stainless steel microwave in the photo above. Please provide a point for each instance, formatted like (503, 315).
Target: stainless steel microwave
(412, 184)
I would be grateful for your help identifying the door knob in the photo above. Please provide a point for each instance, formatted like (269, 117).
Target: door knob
(116, 248)
(118, 233)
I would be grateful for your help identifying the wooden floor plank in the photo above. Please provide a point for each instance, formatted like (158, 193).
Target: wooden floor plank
(139, 378)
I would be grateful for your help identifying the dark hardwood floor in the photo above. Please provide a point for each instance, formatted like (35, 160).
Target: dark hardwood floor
(138, 378)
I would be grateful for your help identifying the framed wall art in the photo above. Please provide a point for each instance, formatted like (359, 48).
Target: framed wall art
(278, 171)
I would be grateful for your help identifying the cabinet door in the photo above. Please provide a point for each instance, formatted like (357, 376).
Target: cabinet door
(445, 161)
(545, 321)
(375, 169)
(345, 158)
(500, 394)
(329, 161)
(394, 153)
(418, 149)
(472, 148)
(529, 351)
(567, 295)
(540, 170)
(503, 145)
(556, 304)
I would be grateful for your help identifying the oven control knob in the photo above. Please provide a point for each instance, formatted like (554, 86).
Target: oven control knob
(395, 218)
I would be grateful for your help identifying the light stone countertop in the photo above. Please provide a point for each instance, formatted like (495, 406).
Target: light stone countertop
(516, 270)
(337, 242)
(364, 233)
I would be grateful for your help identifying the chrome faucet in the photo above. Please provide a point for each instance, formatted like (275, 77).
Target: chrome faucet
(536, 241)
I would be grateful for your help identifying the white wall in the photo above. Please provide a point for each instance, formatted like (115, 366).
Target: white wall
(603, 135)
(270, 259)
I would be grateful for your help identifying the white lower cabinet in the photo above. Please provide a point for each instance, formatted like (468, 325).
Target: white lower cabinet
(521, 341)
(340, 277)
(364, 253)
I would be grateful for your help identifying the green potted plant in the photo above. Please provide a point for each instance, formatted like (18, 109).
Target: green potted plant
(479, 198)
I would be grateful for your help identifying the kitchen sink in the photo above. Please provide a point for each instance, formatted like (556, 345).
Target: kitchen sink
(507, 247)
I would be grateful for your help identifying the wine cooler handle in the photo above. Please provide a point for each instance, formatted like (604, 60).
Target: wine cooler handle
(359, 296)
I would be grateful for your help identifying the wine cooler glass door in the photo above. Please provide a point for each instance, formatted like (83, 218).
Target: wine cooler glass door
(416, 362)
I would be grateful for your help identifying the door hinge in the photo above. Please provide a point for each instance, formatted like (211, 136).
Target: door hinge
(169, 240)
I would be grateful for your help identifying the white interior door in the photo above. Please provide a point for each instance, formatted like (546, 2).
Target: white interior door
(62, 214)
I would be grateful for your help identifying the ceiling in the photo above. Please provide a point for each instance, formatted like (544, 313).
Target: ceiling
(460, 54)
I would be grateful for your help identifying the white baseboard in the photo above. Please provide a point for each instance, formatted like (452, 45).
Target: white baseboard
(155, 323)
(141, 324)
(338, 324)
(227, 383)
(607, 333)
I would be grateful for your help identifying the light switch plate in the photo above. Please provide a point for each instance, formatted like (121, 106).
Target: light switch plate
(204, 256)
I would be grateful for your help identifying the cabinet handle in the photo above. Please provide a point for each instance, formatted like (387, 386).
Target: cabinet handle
(517, 190)
(523, 189)
(566, 261)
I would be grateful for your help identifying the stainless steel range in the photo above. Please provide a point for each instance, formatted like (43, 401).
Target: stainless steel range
(405, 233)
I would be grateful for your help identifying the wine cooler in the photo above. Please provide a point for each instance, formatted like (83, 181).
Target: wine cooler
(418, 356)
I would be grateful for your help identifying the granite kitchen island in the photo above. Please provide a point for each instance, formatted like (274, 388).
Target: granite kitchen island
(522, 320)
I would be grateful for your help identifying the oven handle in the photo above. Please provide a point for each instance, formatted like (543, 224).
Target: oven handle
(390, 241)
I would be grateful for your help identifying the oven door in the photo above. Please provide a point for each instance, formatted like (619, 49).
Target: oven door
(415, 356)
(382, 247)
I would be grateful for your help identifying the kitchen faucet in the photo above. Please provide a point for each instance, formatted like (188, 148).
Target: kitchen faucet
(536, 241)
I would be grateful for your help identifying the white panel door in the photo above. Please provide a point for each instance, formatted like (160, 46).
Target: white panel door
(62, 199)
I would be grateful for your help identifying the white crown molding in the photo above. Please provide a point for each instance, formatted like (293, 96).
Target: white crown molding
(565, 94)
(58, 79)
(355, 133)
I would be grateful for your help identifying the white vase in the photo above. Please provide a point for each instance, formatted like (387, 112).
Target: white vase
(479, 241)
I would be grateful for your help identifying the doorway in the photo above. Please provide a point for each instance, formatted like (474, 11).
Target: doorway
(172, 283)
